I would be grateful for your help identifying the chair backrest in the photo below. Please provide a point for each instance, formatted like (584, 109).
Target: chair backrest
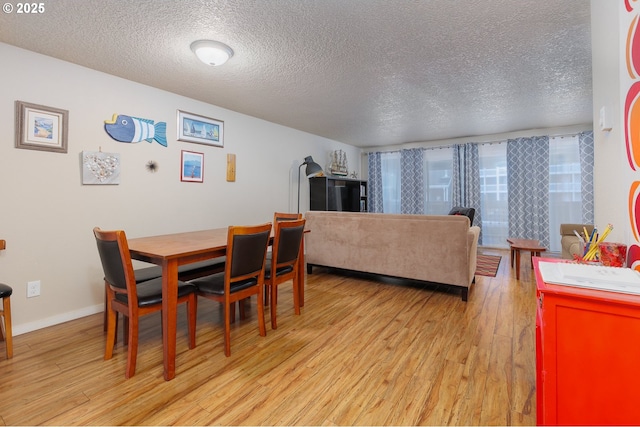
(246, 252)
(116, 261)
(285, 216)
(468, 212)
(287, 242)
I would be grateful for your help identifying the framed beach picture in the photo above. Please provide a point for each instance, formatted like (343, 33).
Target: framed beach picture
(41, 128)
(192, 167)
(200, 129)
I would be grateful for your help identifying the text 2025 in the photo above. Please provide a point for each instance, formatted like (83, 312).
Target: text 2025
(30, 8)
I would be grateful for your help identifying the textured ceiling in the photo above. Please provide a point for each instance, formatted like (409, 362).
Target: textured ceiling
(364, 72)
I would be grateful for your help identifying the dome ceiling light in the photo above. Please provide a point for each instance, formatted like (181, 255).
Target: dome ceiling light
(211, 52)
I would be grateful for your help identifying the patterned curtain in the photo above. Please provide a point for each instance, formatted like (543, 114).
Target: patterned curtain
(466, 180)
(528, 186)
(412, 181)
(585, 145)
(375, 182)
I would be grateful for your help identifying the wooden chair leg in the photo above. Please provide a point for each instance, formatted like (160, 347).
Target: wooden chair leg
(125, 330)
(8, 334)
(232, 312)
(296, 294)
(132, 351)
(242, 305)
(192, 313)
(112, 325)
(2, 331)
(273, 307)
(261, 325)
(227, 328)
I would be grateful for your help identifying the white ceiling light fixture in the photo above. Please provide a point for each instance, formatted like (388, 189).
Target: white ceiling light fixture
(211, 52)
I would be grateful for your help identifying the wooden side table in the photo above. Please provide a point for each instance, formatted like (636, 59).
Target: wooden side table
(517, 245)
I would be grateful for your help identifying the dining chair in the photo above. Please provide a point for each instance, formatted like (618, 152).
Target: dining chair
(133, 299)
(141, 275)
(277, 217)
(284, 263)
(286, 216)
(243, 275)
(185, 272)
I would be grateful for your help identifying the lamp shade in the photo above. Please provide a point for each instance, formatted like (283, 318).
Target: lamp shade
(312, 168)
(211, 52)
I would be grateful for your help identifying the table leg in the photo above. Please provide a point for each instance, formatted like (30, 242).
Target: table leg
(517, 251)
(169, 316)
(301, 273)
(534, 253)
(511, 256)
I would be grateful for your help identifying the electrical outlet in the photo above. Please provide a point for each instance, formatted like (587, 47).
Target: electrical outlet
(33, 289)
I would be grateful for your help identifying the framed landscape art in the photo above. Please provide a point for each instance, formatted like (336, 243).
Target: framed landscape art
(41, 128)
(200, 129)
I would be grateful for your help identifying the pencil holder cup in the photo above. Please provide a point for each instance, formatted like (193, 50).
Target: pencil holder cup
(612, 254)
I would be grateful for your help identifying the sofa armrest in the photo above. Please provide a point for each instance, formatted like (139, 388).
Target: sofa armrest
(474, 236)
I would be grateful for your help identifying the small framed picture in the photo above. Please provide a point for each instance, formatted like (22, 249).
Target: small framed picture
(200, 129)
(41, 128)
(192, 166)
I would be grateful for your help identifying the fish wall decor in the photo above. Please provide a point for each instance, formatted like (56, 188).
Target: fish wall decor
(124, 128)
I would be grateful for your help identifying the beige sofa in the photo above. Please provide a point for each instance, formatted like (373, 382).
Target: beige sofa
(571, 244)
(433, 248)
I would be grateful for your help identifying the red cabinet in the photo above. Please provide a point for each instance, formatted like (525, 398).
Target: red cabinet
(587, 355)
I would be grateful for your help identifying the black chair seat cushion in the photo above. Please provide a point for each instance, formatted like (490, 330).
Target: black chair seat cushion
(214, 284)
(147, 273)
(5, 290)
(185, 272)
(279, 272)
(202, 268)
(150, 292)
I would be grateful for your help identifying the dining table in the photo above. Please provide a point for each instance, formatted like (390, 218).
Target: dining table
(173, 250)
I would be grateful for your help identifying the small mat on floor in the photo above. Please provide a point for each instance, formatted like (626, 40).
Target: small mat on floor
(487, 265)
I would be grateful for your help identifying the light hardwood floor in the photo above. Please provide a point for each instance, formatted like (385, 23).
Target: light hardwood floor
(363, 352)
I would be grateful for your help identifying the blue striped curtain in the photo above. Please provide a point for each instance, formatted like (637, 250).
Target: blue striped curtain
(412, 181)
(466, 180)
(528, 186)
(585, 145)
(375, 182)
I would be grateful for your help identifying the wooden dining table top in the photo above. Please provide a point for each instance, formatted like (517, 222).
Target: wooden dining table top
(179, 245)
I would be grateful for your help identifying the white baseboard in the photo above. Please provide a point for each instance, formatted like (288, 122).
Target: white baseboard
(55, 320)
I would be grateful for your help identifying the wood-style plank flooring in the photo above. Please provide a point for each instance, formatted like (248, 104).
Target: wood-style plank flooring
(363, 352)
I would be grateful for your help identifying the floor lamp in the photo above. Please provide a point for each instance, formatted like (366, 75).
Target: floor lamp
(313, 169)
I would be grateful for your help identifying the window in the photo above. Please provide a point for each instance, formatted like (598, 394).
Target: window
(565, 189)
(438, 171)
(390, 163)
(493, 194)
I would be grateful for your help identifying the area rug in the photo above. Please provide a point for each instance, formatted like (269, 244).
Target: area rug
(487, 265)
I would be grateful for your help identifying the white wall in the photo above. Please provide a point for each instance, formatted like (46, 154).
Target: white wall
(611, 171)
(47, 215)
